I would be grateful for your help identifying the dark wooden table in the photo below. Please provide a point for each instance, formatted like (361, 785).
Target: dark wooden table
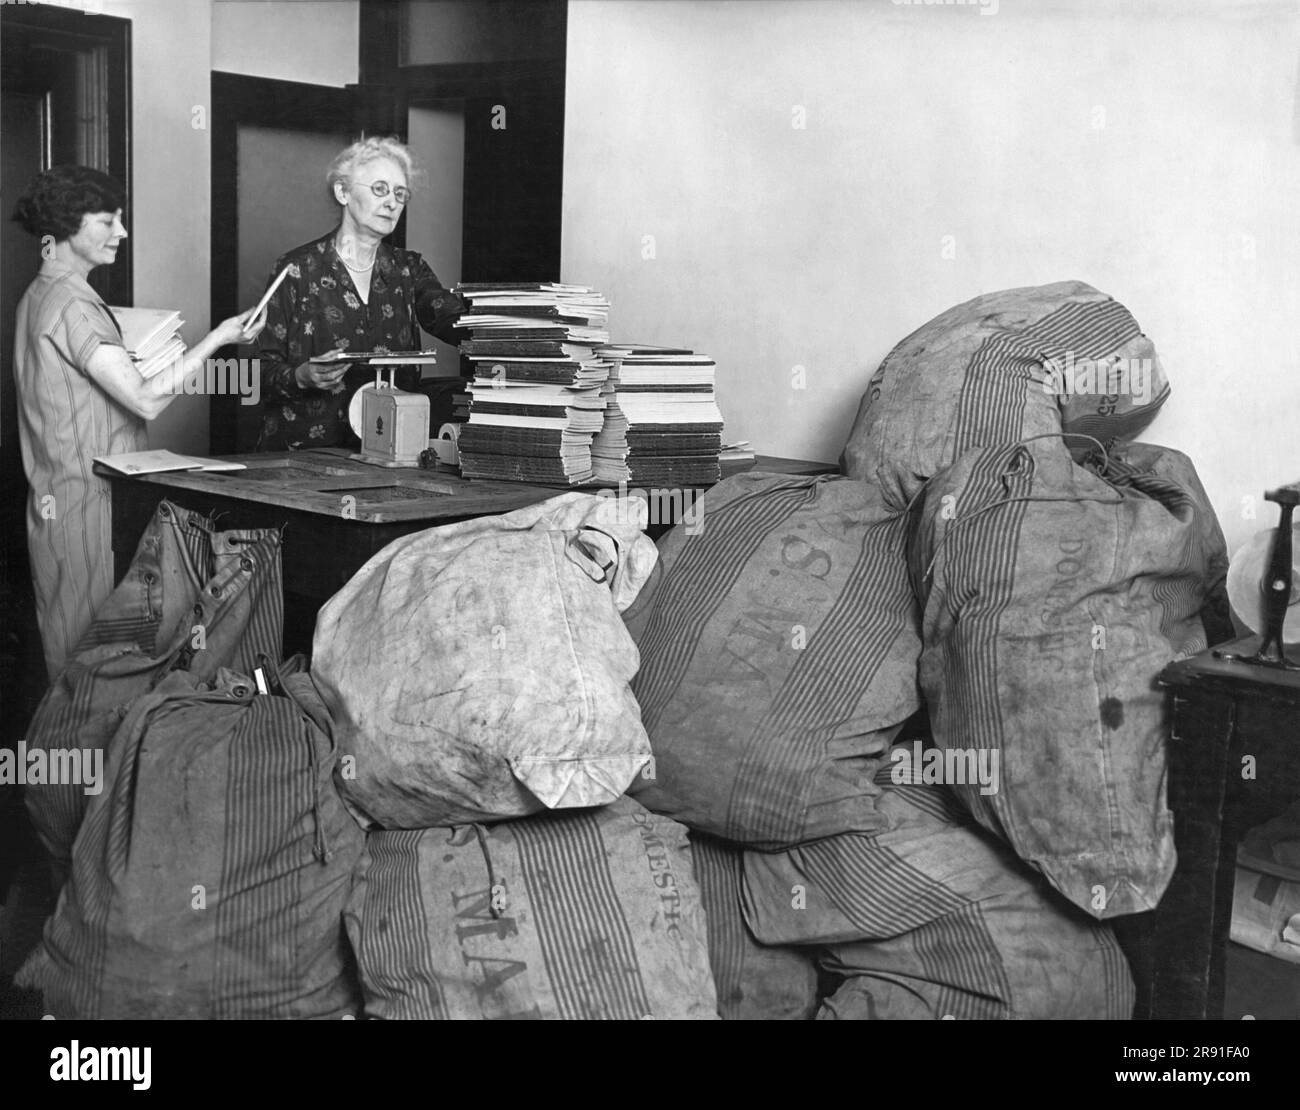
(1234, 762)
(336, 512)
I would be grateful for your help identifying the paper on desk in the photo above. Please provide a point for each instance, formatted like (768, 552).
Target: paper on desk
(161, 461)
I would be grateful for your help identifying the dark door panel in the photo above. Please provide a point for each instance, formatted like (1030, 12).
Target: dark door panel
(272, 142)
(64, 98)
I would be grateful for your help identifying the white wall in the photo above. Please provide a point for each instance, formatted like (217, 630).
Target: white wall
(171, 188)
(314, 41)
(1147, 148)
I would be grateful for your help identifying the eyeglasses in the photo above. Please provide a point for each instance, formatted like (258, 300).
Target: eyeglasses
(401, 193)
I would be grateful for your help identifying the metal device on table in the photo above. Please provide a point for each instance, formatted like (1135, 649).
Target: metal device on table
(1269, 602)
(443, 451)
(394, 424)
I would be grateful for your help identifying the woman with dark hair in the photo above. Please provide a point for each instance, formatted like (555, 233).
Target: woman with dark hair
(79, 396)
(347, 291)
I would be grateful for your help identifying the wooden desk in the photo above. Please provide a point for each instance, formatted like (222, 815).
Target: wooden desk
(327, 538)
(336, 513)
(1222, 712)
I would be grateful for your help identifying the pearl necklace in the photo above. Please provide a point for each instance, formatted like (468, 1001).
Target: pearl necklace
(356, 269)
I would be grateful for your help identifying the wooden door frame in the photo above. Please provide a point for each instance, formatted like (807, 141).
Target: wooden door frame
(479, 86)
(83, 31)
(242, 101)
(22, 664)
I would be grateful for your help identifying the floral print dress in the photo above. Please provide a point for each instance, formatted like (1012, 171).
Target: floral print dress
(317, 309)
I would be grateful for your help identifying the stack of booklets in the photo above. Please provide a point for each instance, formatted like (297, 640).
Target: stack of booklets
(460, 405)
(151, 337)
(609, 448)
(537, 397)
(663, 424)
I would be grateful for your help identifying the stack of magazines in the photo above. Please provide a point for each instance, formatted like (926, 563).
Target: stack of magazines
(663, 424)
(151, 337)
(537, 396)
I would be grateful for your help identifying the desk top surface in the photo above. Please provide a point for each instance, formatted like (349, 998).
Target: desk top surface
(1209, 672)
(328, 482)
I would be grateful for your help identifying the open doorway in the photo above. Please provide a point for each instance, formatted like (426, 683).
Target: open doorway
(64, 98)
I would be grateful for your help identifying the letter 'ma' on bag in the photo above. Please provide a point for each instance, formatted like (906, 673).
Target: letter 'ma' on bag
(577, 915)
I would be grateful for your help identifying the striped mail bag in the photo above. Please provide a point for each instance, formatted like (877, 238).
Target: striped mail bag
(195, 599)
(1003, 367)
(778, 660)
(567, 915)
(209, 878)
(934, 918)
(1053, 597)
(755, 982)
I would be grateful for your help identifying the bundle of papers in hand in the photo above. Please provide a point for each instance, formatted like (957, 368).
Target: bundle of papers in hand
(536, 399)
(151, 337)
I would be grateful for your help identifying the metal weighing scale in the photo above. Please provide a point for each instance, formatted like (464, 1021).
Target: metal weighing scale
(392, 424)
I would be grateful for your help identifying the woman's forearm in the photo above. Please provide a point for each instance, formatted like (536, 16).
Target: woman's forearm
(279, 379)
(437, 309)
(181, 372)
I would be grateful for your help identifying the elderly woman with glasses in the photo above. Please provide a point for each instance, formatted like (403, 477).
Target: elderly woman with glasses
(347, 291)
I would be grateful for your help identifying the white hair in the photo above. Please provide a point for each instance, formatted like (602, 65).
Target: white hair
(359, 153)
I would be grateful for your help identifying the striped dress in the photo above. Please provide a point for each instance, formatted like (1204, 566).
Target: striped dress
(64, 421)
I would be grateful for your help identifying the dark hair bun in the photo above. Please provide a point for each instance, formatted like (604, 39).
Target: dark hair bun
(56, 200)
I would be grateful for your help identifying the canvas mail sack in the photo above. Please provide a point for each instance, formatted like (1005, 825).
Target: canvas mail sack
(1000, 368)
(209, 878)
(935, 918)
(195, 599)
(1052, 596)
(567, 915)
(755, 982)
(778, 659)
(480, 671)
